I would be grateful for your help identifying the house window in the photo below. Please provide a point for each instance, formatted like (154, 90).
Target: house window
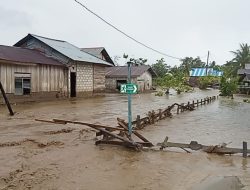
(22, 84)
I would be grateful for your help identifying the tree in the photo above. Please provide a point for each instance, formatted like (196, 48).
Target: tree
(242, 55)
(228, 86)
(161, 68)
(190, 62)
(135, 62)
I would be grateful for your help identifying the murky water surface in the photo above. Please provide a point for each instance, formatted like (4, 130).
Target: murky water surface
(79, 164)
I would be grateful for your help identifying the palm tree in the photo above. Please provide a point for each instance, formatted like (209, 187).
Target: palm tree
(242, 55)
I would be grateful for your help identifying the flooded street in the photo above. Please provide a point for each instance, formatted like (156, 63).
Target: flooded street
(70, 160)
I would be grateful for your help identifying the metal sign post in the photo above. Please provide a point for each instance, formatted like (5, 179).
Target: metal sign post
(129, 101)
(129, 89)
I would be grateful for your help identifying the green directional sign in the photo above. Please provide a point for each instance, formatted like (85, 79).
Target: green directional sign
(129, 88)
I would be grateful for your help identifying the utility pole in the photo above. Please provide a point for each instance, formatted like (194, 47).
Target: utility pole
(129, 101)
(207, 63)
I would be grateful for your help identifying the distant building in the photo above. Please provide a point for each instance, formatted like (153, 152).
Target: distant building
(244, 79)
(196, 73)
(140, 75)
(201, 72)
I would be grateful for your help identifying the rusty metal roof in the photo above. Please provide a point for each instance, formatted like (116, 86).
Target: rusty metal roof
(65, 48)
(24, 55)
(122, 71)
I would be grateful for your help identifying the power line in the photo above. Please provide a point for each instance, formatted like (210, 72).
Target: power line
(128, 36)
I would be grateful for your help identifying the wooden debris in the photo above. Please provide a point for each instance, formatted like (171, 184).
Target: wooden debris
(109, 135)
(6, 100)
(194, 145)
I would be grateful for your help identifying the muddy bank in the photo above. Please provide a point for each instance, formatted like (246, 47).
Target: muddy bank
(74, 162)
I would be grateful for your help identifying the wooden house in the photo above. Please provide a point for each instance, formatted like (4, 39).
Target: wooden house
(28, 74)
(244, 79)
(86, 73)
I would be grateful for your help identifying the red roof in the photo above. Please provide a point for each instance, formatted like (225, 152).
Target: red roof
(25, 56)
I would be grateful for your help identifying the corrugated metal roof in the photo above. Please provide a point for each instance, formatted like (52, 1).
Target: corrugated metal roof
(24, 55)
(99, 52)
(243, 71)
(94, 51)
(68, 50)
(122, 71)
(201, 72)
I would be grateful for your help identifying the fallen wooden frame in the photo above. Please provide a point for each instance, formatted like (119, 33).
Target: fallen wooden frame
(109, 137)
(122, 138)
(194, 145)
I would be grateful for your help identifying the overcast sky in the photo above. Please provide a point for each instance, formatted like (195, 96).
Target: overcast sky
(177, 27)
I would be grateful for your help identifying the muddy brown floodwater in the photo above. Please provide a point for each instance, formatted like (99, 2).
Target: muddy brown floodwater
(35, 155)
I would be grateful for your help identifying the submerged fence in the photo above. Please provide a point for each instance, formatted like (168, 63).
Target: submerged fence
(160, 114)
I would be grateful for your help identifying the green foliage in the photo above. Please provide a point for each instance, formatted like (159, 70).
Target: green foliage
(160, 67)
(177, 82)
(242, 55)
(228, 86)
(190, 62)
(135, 62)
(204, 82)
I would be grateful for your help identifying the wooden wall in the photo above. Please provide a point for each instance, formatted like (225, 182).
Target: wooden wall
(44, 78)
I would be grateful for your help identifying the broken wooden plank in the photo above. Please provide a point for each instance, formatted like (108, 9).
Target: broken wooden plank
(88, 124)
(120, 143)
(124, 125)
(48, 121)
(196, 146)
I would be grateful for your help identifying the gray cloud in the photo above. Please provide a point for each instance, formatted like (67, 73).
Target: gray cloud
(180, 27)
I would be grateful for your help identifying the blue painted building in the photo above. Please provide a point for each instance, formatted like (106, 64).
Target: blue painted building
(201, 72)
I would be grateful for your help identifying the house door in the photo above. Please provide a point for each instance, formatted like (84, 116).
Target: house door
(72, 84)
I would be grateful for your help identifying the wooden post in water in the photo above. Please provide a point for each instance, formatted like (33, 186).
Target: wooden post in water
(201, 101)
(138, 122)
(244, 149)
(178, 109)
(193, 104)
(197, 103)
(153, 117)
(160, 114)
(6, 99)
(182, 107)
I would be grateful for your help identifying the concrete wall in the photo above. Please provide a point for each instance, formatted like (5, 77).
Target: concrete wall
(99, 78)
(111, 83)
(84, 78)
(145, 81)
